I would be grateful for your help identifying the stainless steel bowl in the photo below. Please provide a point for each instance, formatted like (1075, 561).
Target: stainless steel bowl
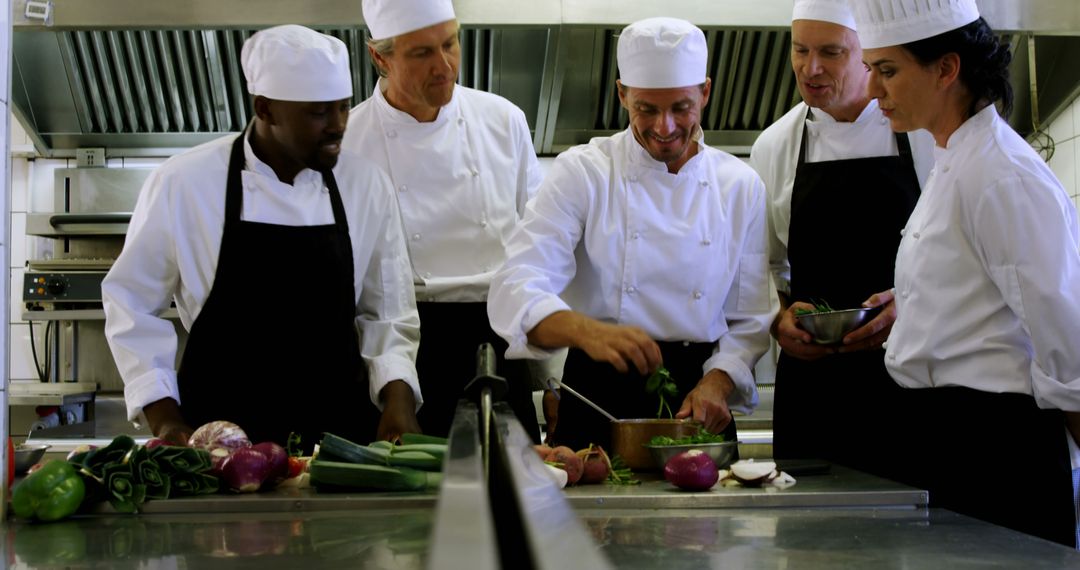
(27, 455)
(722, 453)
(830, 327)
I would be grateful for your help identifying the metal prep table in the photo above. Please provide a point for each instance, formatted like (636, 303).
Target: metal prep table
(843, 519)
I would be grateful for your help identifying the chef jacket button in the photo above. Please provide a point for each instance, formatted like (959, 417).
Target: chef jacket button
(903, 231)
(633, 178)
(703, 182)
(460, 121)
(945, 168)
(416, 237)
(631, 289)
(884, 121)
(391, 134)
(904, 293)
(636, 235)
(403, 188)
(706, 241)
(915, 235)
(698, 294)
(892, 357)
(474, 172)
(483, 223)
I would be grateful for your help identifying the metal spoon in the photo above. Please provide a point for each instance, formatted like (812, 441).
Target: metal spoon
(575, 394)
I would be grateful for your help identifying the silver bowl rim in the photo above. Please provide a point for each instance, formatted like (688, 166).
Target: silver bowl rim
(38, 447)
(836, 312)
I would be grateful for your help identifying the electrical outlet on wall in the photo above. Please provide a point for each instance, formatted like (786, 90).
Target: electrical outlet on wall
(90, 157)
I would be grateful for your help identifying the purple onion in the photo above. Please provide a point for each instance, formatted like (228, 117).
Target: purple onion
(278, 460)
(245, 470)
(691, 470)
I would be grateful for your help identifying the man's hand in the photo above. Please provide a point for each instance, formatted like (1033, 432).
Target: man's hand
(619, 345)
(874, 333)
(707, 402)
(399, 411)
(795, 341)
(166, 422)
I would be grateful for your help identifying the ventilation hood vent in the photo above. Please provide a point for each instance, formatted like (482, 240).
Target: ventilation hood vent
(153, 78)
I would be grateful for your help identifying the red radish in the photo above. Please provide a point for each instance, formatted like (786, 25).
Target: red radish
(245, 470)
(569, 461)
(595, 464)
(279, 461)
(691, 470)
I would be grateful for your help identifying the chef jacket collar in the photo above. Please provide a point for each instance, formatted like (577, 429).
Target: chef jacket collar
(641, 157)
(402, 118)
(253, 164)
(822, 116)
(976, 123)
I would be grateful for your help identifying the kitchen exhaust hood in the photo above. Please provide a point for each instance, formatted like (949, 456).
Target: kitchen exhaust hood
(151, 78)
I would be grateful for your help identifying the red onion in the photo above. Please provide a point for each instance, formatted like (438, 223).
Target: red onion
(245, 470)
(691, 470)
(278, 460)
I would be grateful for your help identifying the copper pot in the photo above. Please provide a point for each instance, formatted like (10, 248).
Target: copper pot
(628, 438)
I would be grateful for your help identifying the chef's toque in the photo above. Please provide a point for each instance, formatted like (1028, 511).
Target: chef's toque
(884, 23)
(833, 11)
(659, 53)
(390, 18)
(294, 63)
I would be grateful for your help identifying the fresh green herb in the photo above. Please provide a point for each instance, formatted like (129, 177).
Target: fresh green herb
(619, 473)
(292, 445)
(820, 306)
(661, 384)
(701, 436)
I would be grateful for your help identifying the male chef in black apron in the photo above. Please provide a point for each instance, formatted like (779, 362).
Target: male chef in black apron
(644, 248)
(841, 186)
(287, 265)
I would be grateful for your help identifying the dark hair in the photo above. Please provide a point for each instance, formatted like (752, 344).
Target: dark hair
(984, 62)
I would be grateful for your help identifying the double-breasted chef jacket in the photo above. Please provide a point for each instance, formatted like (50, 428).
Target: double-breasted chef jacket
(615, 236)
(462, 182)
(172, 255)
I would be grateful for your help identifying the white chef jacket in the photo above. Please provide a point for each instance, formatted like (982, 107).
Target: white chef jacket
(775, 155)
(613, 235)
(171, 253)
(462, 182)
(988, 273)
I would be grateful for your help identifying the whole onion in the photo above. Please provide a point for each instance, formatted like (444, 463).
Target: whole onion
(219, 434)
(245, 470)
(278, 460)
(691, 470)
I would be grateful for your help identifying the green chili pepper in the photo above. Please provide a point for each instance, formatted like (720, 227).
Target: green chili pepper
(50, 493)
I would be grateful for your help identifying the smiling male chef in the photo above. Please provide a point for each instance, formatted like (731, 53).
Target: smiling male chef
(841, 185)
(643, 249)
(463, 166)
(287, 264)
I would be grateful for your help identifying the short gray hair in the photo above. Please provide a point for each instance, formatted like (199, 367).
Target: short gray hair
(383, 47)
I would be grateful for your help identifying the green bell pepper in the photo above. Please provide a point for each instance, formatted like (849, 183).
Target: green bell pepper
(50, 493)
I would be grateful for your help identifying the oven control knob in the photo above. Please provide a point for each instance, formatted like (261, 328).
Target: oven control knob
(55, 285)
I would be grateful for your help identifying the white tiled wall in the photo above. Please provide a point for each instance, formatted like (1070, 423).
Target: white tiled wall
(1065, 130)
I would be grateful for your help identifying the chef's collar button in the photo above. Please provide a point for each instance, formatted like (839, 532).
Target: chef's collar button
(416, 237)
(698, 294)
(391, 134)
(631, 289)
(403, 188)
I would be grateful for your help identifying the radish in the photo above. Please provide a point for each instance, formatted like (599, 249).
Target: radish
(245, 470)
(568, 461)
(691, 470)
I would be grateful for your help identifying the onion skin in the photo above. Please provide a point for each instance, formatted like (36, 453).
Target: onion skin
(691, 470)
(278, 459)
(245, 470)
(219, 434)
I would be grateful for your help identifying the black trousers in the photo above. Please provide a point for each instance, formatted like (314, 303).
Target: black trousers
(450, 333)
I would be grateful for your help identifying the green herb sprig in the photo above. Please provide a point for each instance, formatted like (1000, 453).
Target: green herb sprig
(701, 436)
(661, 384)
(820, 306)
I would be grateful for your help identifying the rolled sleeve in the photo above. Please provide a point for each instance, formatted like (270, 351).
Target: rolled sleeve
(745, 397)
(148, 388)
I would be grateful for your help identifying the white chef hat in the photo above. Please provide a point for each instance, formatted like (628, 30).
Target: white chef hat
(662, 53)
(884, 23)
(294, 63)
(834, 11)
(390, 18)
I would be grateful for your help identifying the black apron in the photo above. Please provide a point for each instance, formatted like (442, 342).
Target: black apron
(450, 333)
(846, 218)
(275, 348)
(623, 395)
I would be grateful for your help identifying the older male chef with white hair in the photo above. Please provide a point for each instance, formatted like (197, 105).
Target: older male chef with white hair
(463, 166)
(287, 264)
(841, 186)
(643, 249)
